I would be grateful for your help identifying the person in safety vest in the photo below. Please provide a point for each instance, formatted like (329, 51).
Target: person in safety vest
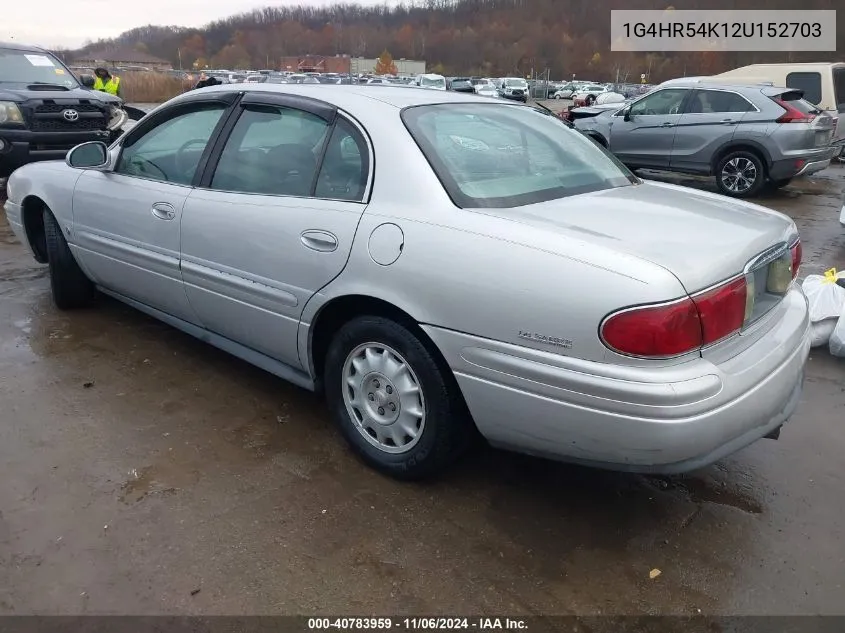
(105, 82)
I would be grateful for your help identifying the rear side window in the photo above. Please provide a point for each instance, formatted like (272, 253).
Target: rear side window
(839, 89)
(810, 83)
(707, 101)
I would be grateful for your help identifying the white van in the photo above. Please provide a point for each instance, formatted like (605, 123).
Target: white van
(823, 85)
(431, 81)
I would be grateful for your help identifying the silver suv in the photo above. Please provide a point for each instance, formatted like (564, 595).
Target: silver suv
(747, 137)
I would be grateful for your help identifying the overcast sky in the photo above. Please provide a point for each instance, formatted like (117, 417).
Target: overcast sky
(52, 23)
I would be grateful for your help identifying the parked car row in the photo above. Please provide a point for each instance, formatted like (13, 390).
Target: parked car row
(746, 137)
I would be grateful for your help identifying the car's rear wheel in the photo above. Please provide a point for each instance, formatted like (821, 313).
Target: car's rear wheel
(740, 174)
(590, 100)
(394, 403)
(557, 96)
(70, 287)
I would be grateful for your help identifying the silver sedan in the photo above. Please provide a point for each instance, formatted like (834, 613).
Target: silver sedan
(438, 265)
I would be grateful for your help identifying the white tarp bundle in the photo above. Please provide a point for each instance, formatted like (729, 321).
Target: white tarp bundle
(827, 305)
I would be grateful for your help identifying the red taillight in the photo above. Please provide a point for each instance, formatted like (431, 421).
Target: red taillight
(666, 330)
(679, 327)
(721, 310)
(797, 253)
(792, 114)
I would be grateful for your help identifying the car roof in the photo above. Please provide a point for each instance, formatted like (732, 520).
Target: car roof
(398, 96)
(20, 47)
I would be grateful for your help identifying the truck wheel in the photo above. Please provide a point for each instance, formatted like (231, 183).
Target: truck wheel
(71, 288)
(400, 412)
(740, 174)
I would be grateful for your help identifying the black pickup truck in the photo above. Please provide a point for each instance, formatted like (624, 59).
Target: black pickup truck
(45, 110)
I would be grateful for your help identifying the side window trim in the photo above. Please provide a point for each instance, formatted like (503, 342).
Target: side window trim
(170, 113)
(694, 93)
(681, 108)
(225, 133)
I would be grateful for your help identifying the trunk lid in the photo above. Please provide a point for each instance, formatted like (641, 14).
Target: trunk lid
(701, 238)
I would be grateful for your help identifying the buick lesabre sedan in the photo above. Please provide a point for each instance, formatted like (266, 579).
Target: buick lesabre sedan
(437, 264)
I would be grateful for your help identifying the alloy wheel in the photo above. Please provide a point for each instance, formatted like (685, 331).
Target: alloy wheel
(383, 397)
(739, 174)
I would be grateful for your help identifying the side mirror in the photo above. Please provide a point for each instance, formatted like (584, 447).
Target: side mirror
(87, 80)
(626, 114)
(88, 155)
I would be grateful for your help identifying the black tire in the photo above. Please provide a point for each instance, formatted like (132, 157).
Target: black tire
(71, 288)
(747, 165)
(590, 100)
(447, 428)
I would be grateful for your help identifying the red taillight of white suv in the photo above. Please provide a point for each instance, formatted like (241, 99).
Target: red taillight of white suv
(685, 325)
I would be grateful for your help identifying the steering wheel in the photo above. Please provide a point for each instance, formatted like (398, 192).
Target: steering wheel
(143, 164)
(180, 159)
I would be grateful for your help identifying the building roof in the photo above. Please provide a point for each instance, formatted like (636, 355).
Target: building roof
(121, 54)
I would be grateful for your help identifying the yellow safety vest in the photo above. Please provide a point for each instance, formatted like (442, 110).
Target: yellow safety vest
(109, 86)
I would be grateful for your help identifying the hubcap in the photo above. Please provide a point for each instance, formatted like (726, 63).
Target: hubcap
(383, 397)
(739, 174)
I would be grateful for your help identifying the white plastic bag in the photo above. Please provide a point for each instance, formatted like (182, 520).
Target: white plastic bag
(827, 303)
(837, 338)
(820, 332)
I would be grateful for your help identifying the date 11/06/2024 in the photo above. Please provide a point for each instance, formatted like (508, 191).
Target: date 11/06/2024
(434, 623)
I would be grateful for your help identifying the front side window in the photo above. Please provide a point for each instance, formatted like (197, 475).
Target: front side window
(713, 101)
(171, 151)
(660, 102)
(489, 155)
(810, 83)
(273, 150)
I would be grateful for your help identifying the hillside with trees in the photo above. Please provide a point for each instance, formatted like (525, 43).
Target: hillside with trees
(480, 37)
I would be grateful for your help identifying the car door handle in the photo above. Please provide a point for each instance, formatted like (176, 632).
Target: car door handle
(319, 240)
(668, 124)
(164, 211)
(727, 121)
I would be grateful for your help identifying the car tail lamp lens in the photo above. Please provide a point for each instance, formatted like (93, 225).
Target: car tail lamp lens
(657, 331)
(680, 327)
(792, 114)
(722, 310)
(797, 253)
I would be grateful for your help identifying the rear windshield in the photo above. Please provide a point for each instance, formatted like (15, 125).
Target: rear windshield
(490, 155)
(839, 89)
(33, 67)
(460, 83)
(434, 82)
(515, 83)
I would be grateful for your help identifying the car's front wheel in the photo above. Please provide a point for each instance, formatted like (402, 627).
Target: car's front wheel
(69, 285)
(740, 174)
(394, 403)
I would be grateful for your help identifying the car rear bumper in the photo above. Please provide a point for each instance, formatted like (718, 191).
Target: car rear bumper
(21, 147)
(671, 419)
(803, 163)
